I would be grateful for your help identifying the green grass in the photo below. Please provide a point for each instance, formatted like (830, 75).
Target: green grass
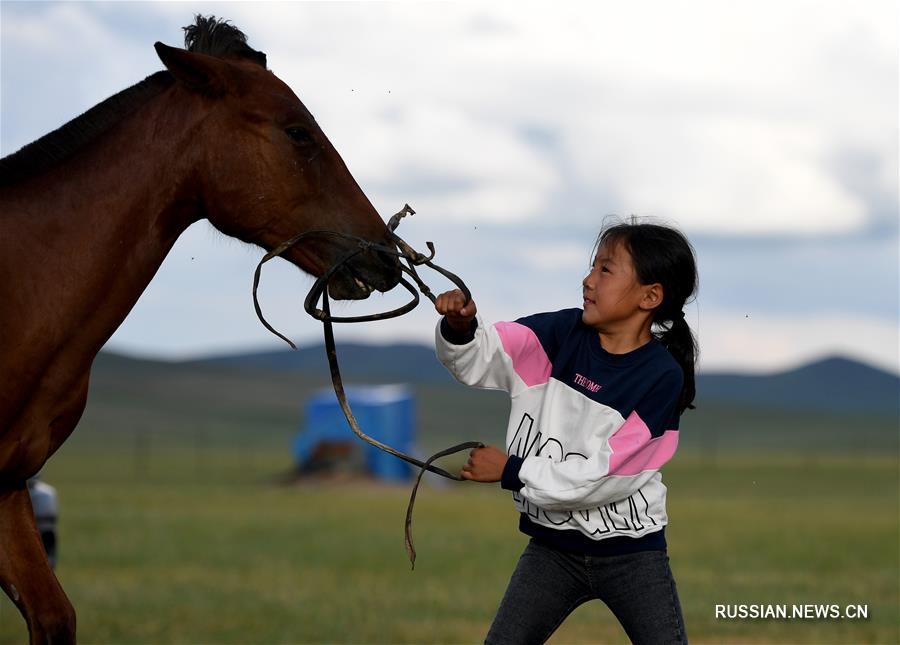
(173, 530)
(169, 543)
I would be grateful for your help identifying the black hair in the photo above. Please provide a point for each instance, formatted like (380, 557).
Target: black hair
(663, 254)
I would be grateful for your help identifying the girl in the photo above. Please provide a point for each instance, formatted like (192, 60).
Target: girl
(596, 397)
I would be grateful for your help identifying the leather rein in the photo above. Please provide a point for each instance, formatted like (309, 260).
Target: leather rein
(409, 259)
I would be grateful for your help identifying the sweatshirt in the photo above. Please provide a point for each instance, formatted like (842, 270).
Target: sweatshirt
(588, 430)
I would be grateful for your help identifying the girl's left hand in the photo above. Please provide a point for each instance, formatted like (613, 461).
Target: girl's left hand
(484, 464)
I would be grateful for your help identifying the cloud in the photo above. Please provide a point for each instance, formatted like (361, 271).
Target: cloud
(766, 130)
(821, 276)
(509, 184)
(766, 342)
(722, 175)
(200, 303)
(58, 60)
(729, 119)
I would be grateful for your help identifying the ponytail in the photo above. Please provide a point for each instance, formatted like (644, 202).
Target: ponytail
(679, 340)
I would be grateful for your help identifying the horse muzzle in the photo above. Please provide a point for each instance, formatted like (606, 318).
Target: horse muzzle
(372, 269)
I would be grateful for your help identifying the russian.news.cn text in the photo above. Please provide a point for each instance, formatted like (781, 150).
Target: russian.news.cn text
(792, 612)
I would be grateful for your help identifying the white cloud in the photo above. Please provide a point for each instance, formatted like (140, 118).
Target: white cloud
(721, 174)
(470, 169)
(766, 342)
(58, 61)
(725, 118)
(555, 256)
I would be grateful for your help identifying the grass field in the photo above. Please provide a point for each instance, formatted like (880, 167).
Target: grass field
(174, 530)
(165, 543)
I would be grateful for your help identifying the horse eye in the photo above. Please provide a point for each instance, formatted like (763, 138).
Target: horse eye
(299, 135)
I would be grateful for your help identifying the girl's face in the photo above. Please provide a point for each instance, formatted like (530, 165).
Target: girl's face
(611, 291)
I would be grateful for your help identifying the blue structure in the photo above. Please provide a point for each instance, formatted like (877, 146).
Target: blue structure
(384, 412)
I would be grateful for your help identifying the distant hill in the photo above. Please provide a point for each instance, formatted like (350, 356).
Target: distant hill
(257, 399)
(833, 384)
(385, 363)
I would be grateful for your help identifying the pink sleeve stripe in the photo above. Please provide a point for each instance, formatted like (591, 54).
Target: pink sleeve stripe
(634, 451)
(528, 356)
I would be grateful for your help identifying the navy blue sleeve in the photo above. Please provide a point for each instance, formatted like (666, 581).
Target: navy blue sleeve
(455, 337)
(510, 477)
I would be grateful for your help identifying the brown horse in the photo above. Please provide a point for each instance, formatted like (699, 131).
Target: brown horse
(89, 212)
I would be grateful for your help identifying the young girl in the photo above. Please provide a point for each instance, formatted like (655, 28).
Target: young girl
(596, 397)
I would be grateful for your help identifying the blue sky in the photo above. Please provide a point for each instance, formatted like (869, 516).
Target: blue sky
(767, 131)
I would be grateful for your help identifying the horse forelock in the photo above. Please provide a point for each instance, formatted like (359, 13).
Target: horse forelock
(221, 39)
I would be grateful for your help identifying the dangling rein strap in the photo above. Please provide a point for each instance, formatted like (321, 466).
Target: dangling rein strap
(319, 290)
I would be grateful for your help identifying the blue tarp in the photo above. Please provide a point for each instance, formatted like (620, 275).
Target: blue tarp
(384, 412)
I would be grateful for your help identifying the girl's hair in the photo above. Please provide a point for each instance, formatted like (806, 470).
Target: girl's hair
(663, 254)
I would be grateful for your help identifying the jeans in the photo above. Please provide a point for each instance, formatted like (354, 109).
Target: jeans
(547, 585)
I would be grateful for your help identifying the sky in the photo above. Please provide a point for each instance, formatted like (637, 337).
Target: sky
(766, 131)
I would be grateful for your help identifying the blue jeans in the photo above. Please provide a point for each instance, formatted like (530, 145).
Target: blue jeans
(547, 585)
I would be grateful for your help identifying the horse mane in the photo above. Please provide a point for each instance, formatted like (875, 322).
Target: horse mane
(207, 36)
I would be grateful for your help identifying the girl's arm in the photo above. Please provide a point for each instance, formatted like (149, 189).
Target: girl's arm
(472, 351)
(625, 462)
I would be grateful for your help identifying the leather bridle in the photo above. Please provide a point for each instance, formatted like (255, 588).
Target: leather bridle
(409, 259)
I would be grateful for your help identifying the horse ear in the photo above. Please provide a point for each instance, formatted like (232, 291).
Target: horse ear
(198, 72)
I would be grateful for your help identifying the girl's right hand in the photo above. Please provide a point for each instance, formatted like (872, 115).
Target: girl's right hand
(453, 306)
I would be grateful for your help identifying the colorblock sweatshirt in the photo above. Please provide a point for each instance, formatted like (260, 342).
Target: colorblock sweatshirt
(588, 430)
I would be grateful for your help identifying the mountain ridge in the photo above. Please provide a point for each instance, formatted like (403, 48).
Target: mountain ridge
(834, 383)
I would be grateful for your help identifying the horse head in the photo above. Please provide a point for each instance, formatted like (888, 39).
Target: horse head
(266, 171)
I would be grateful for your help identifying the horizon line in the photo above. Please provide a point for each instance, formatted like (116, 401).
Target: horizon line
(175, 358)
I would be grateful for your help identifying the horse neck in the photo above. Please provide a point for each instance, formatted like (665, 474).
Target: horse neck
(101, 223)
(133, 183)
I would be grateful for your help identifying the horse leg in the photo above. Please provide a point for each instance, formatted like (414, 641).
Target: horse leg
(25, 573)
